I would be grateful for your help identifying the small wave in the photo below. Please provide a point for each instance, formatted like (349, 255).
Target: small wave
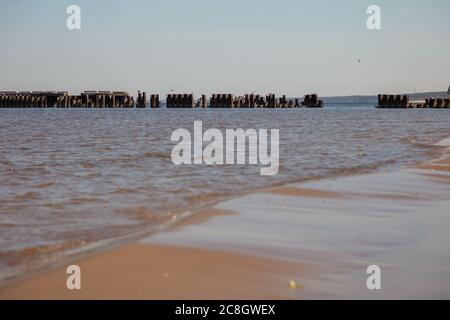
(157, 155)
(443, 143)
(45, 184)
(27, 196)
(149, 215)
(82, 200)
(122, 190)
(87, 164)
(205, 198)
(416, 143)
(58, 206)
(19, 254)
(34, 170)
(6, 163)
(359, 169)
(409, 140)
(7, 225)
(127, 158)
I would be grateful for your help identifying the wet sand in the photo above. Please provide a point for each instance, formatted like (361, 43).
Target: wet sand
(321, 234)
(141, 271)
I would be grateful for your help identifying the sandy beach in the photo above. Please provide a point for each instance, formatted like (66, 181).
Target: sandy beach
(309, 240)
(143, 271)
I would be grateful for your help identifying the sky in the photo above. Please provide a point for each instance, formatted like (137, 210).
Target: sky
(291, 47)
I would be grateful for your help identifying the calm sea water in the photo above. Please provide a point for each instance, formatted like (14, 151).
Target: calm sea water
(72, 177)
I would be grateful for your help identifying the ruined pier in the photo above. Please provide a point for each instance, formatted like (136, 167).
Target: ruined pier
(61, 99)
(122, 99)
(389, 101)
(259, 101)
(180, 101)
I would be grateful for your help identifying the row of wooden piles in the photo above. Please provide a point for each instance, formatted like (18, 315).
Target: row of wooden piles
(246, 101)
(61, 99)
(142, 100)
(431, 103)
(121, 99)
(389, 101)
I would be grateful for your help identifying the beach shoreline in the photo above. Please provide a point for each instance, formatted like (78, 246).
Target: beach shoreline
(214, 254)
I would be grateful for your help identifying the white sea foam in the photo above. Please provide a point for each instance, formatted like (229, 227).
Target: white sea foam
(443, 143)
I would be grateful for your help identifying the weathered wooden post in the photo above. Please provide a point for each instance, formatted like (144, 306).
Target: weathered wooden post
(154, 101)
(203, 101)
(390, 101)
(180, 101)
(141, 100)
(97, 100)
(405, 101)
(144, 100)
(191, 100)
(314, 99)
(306, 100)
(385, 102)
(431, 103)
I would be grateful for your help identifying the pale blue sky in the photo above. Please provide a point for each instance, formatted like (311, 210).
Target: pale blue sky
(205, 46)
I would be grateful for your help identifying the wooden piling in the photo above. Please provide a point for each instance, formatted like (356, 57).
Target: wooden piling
(154, 101)
(180, 101)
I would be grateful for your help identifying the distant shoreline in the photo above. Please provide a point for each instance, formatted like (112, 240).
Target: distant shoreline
(372, 99)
